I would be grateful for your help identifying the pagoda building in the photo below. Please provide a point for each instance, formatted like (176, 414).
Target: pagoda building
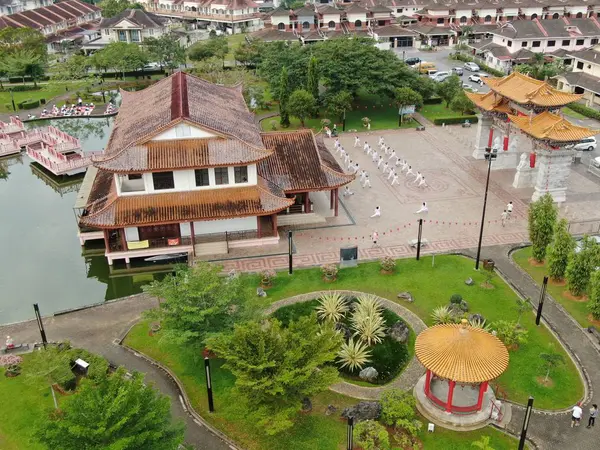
(516, 106)
(187, 170)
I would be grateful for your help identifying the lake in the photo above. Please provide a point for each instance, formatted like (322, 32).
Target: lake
(42, 261)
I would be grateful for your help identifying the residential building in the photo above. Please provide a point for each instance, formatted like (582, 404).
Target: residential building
(15, 6)
(187, 170)
(67, 22)
(585, 76)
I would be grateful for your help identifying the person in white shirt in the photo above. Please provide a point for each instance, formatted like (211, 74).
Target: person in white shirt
(356, 142)
(363, 175)
(347, 158)
(367, 182)
(404, 166)
(504, 217)
(424, 209)
(375, 239)
(375, 156)
(418, 178)
(509, 209)
(379, 161)
(380, 142)
(377, 212)
(386, 167)
(576, 415)
(369, 150)
(347, 191)
(356, 168)
(395, 180)
(393, 155)
(350, 166)
(366, 146)
(336, 144)
(422, 183)
(409, 171)
(392, 172)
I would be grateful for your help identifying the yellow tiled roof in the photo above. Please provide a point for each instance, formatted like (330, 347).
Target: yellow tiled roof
(461, 353)
(523, 89)
(489, 101)
(551, 127)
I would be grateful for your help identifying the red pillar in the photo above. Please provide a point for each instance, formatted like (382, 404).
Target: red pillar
(337, 202)
(123, 239)
(491, 137)
(274, 219)
(451, 385)
(482, 388)
(306, 203)
(427, 382)
(258, 227)
(505, 144)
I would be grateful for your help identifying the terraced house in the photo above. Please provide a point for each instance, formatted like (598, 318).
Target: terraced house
(15, 6)
(187, 171)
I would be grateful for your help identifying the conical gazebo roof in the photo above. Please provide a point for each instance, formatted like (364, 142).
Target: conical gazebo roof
(461, 353)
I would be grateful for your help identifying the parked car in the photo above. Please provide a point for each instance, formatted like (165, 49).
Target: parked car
(468, 87)
(483, 75)
(476, 79)
(596, 162)
(440, 76)
(458, 71)
(430, 72)
(587, 144)
(471, 66)
(423, 67)
(412, 61)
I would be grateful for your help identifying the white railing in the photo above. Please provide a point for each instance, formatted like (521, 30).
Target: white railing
(62, 166)
(8, 148)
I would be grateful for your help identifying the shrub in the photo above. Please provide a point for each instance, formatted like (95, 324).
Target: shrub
(329, 271)
(454, 120)
(366, 121)
(396, 407)
(294, 312)
(29, 104)
(273, 125)
(387, 264)
(354, 355)
(267, 276)
(332, 307)
(21, 88)
(10, 360)
(371, 435)
(594, 303)
(442, 315)
(584, 110)
(368, 305)
(456, 298)
(369, 328)
(559, 250)
(581, 266)
(510, 333)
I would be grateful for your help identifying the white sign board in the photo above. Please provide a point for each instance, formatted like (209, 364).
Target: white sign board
(408, 109)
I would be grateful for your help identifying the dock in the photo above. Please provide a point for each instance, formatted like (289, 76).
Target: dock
(86, 234)
(10, 133)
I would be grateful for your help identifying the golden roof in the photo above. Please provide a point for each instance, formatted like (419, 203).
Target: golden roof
(489, 101)
(551, 127)
(461, 353)
(523, 89)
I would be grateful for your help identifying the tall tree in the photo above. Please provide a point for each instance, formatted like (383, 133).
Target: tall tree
(115, 412)
(312, 79)
(301, 104)
(449, 88)
(166, 50)
(542, 216)
(209, 48)
(581, 265)
(75, 67)
(197, 301)
(424, 86)
(112, 8)
(249, 53)
(23, 63)
(276, 367)
(461, 103)
(594, 295)
(338, 104)
(559, 250)
(48, 367)
(124, 57)
(405, 96)
(18, 39)
(284, 95)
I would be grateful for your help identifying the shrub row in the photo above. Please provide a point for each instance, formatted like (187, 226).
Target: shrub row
(454, 119)
(28, 104)
(21, 88)
(585, 110)
(488, 69)
(433, 101)
(22, 79)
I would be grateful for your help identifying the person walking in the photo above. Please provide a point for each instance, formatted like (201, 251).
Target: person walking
(504, 217)
(422, 183)
(395, 180)
(576, 415)
(375, 239)
(377, 212)
(509, 208)
(356, 141)
(423, 210)
(593, 415)
(367, 182)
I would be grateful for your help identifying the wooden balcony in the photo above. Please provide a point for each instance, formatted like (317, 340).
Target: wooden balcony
(204, 16)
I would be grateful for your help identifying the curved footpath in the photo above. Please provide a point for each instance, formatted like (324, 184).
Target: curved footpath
(101, 328)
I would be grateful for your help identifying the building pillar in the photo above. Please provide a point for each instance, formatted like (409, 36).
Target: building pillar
(484, 137)
(336, 199)
(306, 203)
(106, 243)
(258, 227)
(427, 382)
(193, 236)
(451, 385)
(123, 240)
(482, 388)
(331, 199)
(553, 169)
(274, 220)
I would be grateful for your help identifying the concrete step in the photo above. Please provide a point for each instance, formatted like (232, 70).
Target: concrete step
(300, 219)
(211, 248)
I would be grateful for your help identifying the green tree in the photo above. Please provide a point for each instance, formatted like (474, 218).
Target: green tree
(542, 217)
(522, 306)
(371, 435)
(212, 47)
(449, 88)
(23, 63)
(312, 78)
(461, 103)
(75, 67)
(284, 96)
(594, 295)
(405, 96)
(48, 367)
(581, 265)
(112, 8)
(276, 367)
(551, 360)
(124, 57)
(301, 104)
(19, 39)
(338, 104)
(398, 411)
(165, 50)
(424, 86)
(249, 53)
(510, 333)
(115, 412)
(558, 252)
(483, 443)
(197, 301)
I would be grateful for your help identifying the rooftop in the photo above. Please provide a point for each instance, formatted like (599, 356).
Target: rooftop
(48, 15)
(551, 127)
(489, 101)
(590, 55)
(138, 17)
(584, 80)
(549, 28)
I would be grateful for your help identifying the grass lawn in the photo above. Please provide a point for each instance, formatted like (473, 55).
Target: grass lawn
(571, 113)
(22, 406)
(432, 112)
(234, 42)
(442, 439)
(578, 310)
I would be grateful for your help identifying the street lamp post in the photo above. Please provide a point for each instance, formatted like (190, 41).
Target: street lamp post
(40, 324)
(541, 302)
(526, 423)
(12, 99)
(490, 155)
(350, 432)
(209, 390)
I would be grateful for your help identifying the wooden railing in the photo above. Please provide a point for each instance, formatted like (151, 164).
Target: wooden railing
(205, 16)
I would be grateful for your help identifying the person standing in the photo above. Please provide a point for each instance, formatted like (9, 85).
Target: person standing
(509, 208)
(363, 175)
(504, 217)
(367, 182)
(422, 183)
(380, 141)
(356, 141)
(409, 171)
(347, 191)
(375, 239)
(418, 178)
(391, 175)
(377, 212)
(366, 146)
(576, 415)
(385, 168)
(424, 209)
(393, 155)
(395, 180)
(593, 415)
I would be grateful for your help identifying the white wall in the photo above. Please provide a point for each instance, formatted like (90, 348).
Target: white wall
(183, 131)
(221, 226)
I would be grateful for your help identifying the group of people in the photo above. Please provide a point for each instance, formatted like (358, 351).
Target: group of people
(65, 110)
(577, 414)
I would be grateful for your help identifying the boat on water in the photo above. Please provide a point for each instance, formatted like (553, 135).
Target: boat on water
(174, 256)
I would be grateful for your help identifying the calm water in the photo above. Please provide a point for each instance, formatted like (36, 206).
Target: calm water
(41, 259)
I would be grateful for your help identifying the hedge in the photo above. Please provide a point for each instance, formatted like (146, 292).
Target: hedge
(21, 88)
(584, 110)
(22, 79)
(454, 119)
(490, 70)
(433, 101)
(29, 104)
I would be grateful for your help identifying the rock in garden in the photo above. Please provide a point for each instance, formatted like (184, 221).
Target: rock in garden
(399, 332)
(344, 330)
(464, 306)
(455, 309)
(306, 404)
(476, 317)
(330, 410)
(260, 292)
(469, 281)
(368, 374)
(406, 296)
(363, 411)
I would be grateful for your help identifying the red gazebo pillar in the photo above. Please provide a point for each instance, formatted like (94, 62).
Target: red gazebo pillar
(491, 137)
(451, 385)
(427, 382)
(482, 388)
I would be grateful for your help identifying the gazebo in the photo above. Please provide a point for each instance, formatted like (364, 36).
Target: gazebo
(458, 354)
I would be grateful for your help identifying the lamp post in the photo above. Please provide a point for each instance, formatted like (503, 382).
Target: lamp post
(40, 324)
(344, 121)
(12, 99)
(211, 406)
(419, 238)
(290, 253)
(526, 423)
(350, 432)
(541, 302)
(490, 156)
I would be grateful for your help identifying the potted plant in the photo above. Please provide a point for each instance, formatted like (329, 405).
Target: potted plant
(330, 272)
(387, 264)
(13, 370)
(366, 121)
(266, 278)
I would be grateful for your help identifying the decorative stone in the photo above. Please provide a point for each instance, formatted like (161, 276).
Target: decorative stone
(330, 410)
(464, 306)
(368, 374)
(344, 330)
(363, 411)
(469, 281)
(306, 404)
(399, 332)
(260, 292)
(476, 317)
(406, 296)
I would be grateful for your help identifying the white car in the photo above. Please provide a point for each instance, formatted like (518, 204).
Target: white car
(440, 76)
(471, 66)
(476, 79)
(587, 144)
(468, 87)
(596, 162)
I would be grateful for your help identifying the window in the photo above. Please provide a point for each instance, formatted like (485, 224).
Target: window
(440, 21)
(221, 175)
(305, 25)
(509, 43)
(134, 176)
(536, 43)
(579, 41)
(241, 174)
(524, 44)
(151, 31)
(463, 19)
(281, 26)
(358, 24)
(331, 24)
(580, 65)
(201, 177)
(566, 42)
(163, 180)
(555, 16)
(551, 43)
(487, 19)
(135, 35)
(594, 41)
(533, 16)
(122, 36)
(107, 31)
(579, 15)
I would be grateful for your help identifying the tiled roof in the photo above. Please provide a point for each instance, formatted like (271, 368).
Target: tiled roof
(551, 127)
(136, 16)
(379, 9)
(589, 55)
(203, 204)
(301, 162)
(549, 28)
(489, 101)
(432, 30)
(48, 15)
(328, 9)
(181, 154)
(584, 80)
(355, 8)
(182, 97)
(523, 89)
(304, 11)
(271, 34)
(313, 36)
(393, 30)
(461, 353)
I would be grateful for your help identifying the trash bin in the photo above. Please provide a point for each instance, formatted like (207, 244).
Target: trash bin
(488, 264)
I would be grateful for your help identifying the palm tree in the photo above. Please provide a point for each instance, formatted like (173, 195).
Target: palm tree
(465, 32)
(483, 443)
(354, 354)
(522, 306)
